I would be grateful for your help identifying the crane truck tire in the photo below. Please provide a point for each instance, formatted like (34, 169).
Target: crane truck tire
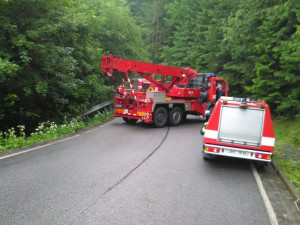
(129, 121)
(160, 117)
(175, 116)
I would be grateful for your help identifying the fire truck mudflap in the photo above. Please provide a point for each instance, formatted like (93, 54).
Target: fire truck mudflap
(240, 128)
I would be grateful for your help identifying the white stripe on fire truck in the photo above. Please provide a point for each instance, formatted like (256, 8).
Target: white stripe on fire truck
(267, 141)
(211, 134)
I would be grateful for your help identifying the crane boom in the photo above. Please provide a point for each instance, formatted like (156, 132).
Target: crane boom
(111, 64)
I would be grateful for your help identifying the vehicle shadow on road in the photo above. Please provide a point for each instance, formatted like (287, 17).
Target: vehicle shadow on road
(192, 121)
(226, 163)
(141, 124)
(138, 124)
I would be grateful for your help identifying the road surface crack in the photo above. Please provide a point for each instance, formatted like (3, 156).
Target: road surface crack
(141, 163)
(124, 178)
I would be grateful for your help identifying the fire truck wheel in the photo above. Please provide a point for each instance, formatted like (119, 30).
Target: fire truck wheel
(160, 117)
(129, 121)
(206, 156)
(175, 116)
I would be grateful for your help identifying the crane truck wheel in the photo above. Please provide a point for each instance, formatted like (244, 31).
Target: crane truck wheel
(129, 121)
(160, 117)
(175, 116)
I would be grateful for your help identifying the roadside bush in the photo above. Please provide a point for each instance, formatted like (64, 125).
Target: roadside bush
(45, 131)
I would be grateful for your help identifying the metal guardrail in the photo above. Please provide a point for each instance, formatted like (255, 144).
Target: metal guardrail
(97, 108)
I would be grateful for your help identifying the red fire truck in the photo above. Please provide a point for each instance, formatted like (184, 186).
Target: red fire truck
(168, 97)
(240, 128)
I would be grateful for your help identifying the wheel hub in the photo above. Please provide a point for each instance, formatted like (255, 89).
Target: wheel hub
(176, 117)
(161, 117)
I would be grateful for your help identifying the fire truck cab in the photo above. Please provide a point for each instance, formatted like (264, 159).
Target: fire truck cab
(240, 128)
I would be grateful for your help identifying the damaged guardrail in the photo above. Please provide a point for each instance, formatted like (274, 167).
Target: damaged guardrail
(97, 108)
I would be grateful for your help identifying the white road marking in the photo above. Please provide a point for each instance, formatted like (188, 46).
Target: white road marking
(42, 146)
(33, 149)
(269, 208)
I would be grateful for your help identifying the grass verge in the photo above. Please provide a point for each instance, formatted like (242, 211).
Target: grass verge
(287, 150)
(46, 131)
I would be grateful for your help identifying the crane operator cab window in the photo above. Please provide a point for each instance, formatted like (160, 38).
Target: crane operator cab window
(195, 83)
(203, 77)
(141, 85)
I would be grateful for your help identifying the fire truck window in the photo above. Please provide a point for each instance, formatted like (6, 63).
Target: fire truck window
(208, 85)
(198, 83)
(194, 83)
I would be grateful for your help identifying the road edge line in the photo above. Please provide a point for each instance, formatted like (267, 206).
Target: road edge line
(266, 200)
(36, 148)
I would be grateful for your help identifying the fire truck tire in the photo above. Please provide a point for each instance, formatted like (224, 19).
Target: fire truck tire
(175, 116)
(206, 156)
(261, 164)
(129, 121)
(160, 117)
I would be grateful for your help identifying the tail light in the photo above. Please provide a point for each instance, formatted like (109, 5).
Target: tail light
(262, 156)
(211, 149)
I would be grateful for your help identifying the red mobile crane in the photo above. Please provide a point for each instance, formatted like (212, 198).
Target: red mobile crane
(178, 92)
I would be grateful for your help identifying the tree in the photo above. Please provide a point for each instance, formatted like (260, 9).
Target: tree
(254, 44)
(150, 16)
(257, 38)
(51, 54)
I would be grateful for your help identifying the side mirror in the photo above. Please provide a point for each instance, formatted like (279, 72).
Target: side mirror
(202, 131)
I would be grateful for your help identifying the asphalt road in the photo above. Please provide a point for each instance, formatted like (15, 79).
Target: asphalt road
(128, 174)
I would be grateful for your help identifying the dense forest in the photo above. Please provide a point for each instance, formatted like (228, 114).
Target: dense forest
(50, 50)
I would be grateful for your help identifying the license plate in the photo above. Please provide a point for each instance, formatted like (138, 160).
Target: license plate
(118, 105)
(237, 153)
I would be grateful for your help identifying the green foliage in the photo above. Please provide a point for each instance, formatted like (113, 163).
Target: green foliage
(197, 33)
(50, 56)
(287, 150)
(45, 131)
(150, 16)
(50, 50)
(254, 44)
